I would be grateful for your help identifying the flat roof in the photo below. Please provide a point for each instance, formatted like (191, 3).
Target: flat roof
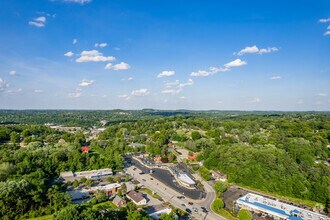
(109, 186)
(277, 208)
(185, 178)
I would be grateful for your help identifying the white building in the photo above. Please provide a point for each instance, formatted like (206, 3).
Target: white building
(90, 174)
(185, 180)
(277, 209)
(156, 211)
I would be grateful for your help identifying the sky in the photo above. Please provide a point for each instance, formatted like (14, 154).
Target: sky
(173, 54)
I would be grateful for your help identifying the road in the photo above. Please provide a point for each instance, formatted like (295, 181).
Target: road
(170, 195)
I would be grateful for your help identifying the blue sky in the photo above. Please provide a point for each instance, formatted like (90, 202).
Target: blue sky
(226, 55)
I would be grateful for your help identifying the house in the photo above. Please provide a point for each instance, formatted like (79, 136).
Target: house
(160, 159)
(219, 176)
(193, 156)
(136, 198)
(110, 189)
(85, 149)
(118, 201)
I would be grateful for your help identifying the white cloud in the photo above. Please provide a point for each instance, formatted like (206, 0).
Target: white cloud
(100, 44)
(322, 94)
(38, 22)
(275, 77)
(140, 92)
(212, 70)
(166, 73)
(300, 102)
(78, 1)
(328, 27)
(326, 33)
(93, 56)
(12, 72)
(38, 91)
(178, 87)
(69, 54)
(252, 49)
(124, 96)
(3, 85)
(171, 91)
(255, 100)
(130, 78)
(86, 82)
(188, 83)
(324, 20)
(74, 95)
(255, 49)
(74, 41)
(119, 66)
(235, 63)
(170, 84)
(183, 97)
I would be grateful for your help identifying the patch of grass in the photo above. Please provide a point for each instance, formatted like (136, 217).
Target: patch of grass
(224, 213)
(149, 192)
(107, 204)
(45, 217)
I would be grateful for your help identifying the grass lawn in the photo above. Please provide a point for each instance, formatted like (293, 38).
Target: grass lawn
(45, 217)
(104, 204)
(149, 192)
(224, 213)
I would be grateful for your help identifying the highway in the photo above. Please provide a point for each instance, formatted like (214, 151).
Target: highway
(170, 195)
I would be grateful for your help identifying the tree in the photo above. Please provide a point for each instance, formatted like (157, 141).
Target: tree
(75, 183)
(217, 205)
(195, 135)
(166, 217)
(83, 180)
(244, 214)
(68, 213)
(89, 182)
(127, 178)
(117, 179)
(205, 173)
(14, 137)
(110, 179)
(124, 188)
(220, 187)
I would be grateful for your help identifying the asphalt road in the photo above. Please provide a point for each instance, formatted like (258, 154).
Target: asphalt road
(170, 194)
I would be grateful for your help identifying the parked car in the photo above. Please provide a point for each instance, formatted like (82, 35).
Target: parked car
(188, 210)
(190, 203)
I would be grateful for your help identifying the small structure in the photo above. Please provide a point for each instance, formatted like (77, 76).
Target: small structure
(219, 176)
(66, 175)
(77, 194)
(61, 141)
(276, 208)
(136, 198)
(158, 159)
(136, 145)
(185, 180)
(118, 201)
(156, 211)
(85, 149)
(193, 156)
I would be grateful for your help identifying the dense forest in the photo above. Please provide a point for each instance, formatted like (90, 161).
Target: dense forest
(282, 153)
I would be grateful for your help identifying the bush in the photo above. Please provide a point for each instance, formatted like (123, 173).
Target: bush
(244, 214)
(218, 205)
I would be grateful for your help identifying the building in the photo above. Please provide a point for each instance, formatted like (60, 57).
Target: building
(157, 210)
(185, 180)
(193, 156)
(118, 201)
(276, 208)
(90, 174)
(85, 149)
(136, 145)
(219, 176)
(136, 197)
(110, 189)
(77, 195)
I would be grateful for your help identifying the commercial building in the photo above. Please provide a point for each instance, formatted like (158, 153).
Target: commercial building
(185, 180)
(277, 209)
(156, 211)
(90, 174)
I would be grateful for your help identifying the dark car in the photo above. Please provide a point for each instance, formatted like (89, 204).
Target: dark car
(188, 210)
(180, 197)
(204, 209)
(190, 203)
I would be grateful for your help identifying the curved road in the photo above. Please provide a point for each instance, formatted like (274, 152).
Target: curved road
(170, 195)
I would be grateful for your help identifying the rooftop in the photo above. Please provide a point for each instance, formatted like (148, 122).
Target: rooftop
(277, 208)
(185, 178)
